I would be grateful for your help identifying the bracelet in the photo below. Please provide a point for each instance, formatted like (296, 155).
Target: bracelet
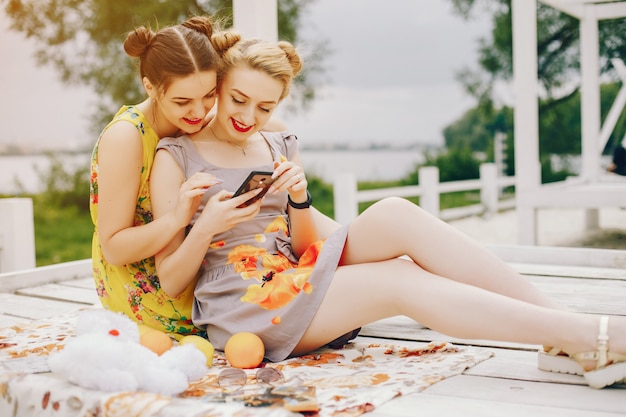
(304, 205)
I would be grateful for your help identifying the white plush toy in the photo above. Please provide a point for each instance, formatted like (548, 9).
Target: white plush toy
(106, 355)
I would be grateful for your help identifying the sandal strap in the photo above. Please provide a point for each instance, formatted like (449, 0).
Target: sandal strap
(554, 352)
(603, 342)
(601, 355)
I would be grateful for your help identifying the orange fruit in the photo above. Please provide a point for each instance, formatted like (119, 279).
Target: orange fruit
(155, 340)
(244, 350)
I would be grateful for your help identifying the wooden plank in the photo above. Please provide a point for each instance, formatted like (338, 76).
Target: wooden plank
(584, 295)
(564, 396)
(62, 293)
(12, 281)
(34, 308)
(519, 365)
(86, 283)
(590, 272)
(550, 255)
(423, 404)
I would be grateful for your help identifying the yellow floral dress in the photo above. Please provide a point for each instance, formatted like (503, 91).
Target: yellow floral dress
(250, 280)
(134, 289)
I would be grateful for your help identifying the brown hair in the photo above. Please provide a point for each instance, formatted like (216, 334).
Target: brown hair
(173, 52)
(278, 60)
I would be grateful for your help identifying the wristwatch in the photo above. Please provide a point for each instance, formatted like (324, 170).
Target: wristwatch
(304, 205)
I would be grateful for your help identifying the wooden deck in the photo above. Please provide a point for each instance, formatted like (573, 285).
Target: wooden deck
(509, 384)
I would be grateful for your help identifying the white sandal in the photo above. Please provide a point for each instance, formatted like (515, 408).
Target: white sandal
(610, 367)
(555, 360)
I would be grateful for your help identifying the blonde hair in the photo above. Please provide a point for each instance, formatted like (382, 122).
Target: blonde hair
(279, 60)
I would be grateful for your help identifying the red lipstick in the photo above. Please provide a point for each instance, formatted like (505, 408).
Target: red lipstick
(238, 128)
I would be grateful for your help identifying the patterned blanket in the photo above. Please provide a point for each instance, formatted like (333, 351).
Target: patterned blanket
(329, 382)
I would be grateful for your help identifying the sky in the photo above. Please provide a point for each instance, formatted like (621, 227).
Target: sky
(389, 78)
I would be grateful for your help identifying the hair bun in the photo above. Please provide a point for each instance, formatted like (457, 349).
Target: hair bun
(138, 41)
(292, 56)
(202, 24)
(223, 41)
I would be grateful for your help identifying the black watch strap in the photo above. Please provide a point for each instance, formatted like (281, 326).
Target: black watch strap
(304, 205)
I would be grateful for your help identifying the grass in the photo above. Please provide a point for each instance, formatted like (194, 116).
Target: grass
(62, 234)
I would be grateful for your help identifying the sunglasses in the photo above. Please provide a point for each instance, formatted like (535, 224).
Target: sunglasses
(235, 378)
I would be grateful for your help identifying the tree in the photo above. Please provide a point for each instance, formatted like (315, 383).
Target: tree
(558, 67)
(82, 39)
(557, 48)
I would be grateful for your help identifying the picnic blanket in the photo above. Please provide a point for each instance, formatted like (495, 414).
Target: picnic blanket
(328, 382)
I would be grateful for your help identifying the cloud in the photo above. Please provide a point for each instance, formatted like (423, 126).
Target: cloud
(391, 73)
(413, 114)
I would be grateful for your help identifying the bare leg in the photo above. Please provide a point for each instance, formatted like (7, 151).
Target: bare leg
(363, 293)
(394, 227)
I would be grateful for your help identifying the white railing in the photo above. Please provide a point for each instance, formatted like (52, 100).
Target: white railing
(490, 185)
(17, 242)
(29, 277)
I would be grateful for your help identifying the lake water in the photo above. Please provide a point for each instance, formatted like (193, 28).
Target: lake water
(366, 165)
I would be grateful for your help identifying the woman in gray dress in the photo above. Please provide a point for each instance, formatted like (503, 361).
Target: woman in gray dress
(262, 268)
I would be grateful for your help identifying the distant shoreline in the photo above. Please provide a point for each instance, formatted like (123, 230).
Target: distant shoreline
(15, 150)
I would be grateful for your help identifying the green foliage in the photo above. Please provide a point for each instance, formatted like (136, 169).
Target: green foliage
(548, 174)
(82, 40)
(558, 48)
(322, 195)
(470, 131)
(454, 164)
(63, 188)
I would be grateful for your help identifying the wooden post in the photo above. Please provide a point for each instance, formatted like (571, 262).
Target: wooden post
(345, 199)
(489, 187)
(17, 234)
(526, 114)
(429, 181)
(256, 19)
(590, 104)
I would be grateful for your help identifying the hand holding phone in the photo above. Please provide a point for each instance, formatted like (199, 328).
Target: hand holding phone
(256, 179)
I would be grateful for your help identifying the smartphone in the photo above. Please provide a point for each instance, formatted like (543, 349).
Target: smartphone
(256, 179)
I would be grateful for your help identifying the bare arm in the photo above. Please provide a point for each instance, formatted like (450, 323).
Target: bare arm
(120, 155)
(179, 262)
(307, 225)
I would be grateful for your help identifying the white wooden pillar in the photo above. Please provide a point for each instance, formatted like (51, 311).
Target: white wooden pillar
(590, 93)
(590, 104)
(489, 191)
(526, 114)
(429, 181)
(345, 197)
(256, 19)
(17, 234)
